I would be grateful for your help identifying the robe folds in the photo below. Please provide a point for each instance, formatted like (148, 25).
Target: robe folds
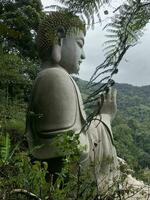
(56, 107)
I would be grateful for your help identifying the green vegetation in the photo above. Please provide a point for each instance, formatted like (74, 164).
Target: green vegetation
(19, 171)
(131, 126)
(19, 21)
(19, 65)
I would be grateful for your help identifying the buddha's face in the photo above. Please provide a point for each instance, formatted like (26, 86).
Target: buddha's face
(72, 52)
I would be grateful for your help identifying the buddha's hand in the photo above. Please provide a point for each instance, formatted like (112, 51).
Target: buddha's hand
(108, 105)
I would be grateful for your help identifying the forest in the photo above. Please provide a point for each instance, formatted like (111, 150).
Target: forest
(19, 65)
(131, 125)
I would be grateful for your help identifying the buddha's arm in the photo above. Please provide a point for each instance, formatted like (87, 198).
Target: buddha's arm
(53, 102)
(107, 113)
(103, 137)
(54, 110)
(109, 107)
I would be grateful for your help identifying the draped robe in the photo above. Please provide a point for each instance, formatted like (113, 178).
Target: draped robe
(56, 107)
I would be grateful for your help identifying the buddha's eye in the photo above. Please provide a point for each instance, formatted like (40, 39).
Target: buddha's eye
(80, 43)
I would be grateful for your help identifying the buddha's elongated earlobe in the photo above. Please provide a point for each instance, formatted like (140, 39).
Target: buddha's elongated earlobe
(56, 53)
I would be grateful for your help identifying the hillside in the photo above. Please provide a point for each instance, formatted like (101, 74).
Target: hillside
(131, 127)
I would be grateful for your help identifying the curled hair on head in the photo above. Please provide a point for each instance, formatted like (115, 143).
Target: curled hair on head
(54, 27)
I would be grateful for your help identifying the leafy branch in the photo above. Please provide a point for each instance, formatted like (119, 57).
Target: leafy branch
(125, 28)
(85, 8)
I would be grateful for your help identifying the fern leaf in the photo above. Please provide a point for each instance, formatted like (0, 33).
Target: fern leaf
(5, 148)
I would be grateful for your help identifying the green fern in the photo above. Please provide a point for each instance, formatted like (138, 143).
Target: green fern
(5, 148)
(85, 8)
(124, 31)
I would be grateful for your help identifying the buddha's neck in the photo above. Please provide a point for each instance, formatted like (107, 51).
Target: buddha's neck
(48, 64)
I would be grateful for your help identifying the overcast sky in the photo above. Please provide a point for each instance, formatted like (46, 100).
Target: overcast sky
(134, 68)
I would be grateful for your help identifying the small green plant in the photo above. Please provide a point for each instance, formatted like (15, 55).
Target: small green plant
(5, 149)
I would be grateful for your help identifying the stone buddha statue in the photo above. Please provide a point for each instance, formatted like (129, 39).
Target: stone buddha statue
(56, 104)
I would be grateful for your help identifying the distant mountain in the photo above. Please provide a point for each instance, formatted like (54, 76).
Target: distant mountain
(131, 127)
(129, 99)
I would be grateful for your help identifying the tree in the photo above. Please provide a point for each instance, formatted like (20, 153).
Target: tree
(18, 26)
(16, 76)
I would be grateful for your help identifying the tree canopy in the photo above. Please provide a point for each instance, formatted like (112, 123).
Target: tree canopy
(19, 22)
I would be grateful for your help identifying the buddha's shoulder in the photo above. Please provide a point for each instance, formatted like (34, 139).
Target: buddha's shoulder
(55, 74)
(52, 80)
(54, 96)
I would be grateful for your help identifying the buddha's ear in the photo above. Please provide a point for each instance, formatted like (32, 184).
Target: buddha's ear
(61, 33)
(56, 51)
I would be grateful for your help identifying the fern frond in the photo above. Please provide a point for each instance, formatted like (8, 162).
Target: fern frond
(111, 36)
(110, 53)
(124, 31)
(84, 7)
(111, 47)
(55, 7)
(110, 42)
(5, 147)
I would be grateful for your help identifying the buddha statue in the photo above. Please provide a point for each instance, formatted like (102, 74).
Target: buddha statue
(56, 105)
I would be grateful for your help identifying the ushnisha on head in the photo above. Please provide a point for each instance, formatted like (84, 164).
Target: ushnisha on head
(60, 41)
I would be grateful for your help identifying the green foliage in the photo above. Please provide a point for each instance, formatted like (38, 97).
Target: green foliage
(86, 9)
(131, 125)
(5, 148)
(20, 173)
(16, 75)
(144, 174)
(21, 179)
(16, 125)
(18, 26)
(123, 32)
(72, 183)
(125, 144)
(32, 175)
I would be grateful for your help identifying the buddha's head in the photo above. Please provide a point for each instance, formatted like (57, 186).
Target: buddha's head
(61, 39)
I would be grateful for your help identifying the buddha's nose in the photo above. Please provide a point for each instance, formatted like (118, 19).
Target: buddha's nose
(83, 54)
